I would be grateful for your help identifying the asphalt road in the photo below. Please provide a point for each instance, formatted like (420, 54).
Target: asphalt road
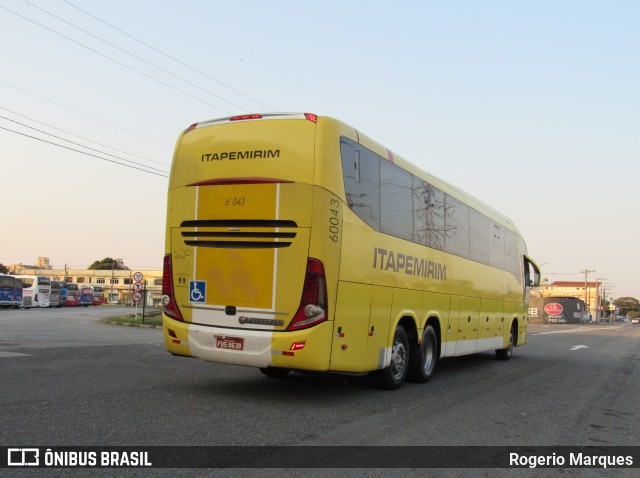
(70, 380)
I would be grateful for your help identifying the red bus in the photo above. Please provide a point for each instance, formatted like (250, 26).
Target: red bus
(72, 294)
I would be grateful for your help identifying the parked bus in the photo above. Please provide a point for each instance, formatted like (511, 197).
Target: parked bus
(72, 294)
(63, 293)
(85, 295)
(7, 291)
(19, 293)
(54, 296)
(295, 242)
(98, 294)
(35, 291)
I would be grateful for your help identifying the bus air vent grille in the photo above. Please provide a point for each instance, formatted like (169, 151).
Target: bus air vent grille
(239, 233)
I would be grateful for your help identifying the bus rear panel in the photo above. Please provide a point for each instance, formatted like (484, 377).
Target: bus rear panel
(245, 284)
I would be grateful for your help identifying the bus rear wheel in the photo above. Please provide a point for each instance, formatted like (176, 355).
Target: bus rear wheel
(393, 376)
(424, 356)
(506, 353)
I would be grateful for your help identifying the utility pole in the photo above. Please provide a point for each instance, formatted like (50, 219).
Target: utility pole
(112, 267)
(601, 296)
(586, 292)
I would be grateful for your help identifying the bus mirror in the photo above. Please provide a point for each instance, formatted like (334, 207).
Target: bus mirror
(532, 273)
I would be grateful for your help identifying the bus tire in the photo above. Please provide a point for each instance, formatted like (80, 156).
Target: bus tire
(393, 376)
(275, 372)
(506, 353)
(424, 357)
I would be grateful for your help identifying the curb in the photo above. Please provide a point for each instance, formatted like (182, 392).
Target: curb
(142, 326)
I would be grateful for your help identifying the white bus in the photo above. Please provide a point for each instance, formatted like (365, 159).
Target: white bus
(36, 291)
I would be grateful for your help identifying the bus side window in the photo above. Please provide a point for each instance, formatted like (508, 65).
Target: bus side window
(361, 174)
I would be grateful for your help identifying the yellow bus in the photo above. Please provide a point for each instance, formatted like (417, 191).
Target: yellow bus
(295, 242)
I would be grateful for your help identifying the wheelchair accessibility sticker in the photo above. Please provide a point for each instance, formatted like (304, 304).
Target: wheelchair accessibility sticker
(197, 290)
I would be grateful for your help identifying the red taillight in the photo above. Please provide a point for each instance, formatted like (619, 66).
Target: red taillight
(311, 117)
(247, 180)
(169, 306)
(245, 117)
(313, 305)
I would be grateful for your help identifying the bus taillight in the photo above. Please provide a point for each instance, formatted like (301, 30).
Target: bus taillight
(245, 117)
(313, 306)
(169, 306)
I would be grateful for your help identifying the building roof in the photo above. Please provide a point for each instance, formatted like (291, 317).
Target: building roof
(572, 284)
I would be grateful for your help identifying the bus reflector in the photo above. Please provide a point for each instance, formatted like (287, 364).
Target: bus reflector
(191, 128)
(169, 306)
(311, 117)
(313, 304)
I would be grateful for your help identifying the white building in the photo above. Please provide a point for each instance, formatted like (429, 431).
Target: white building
(117, 284)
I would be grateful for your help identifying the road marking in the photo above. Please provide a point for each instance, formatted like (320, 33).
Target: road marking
(5, 354)
(576, 347)
(578, 329)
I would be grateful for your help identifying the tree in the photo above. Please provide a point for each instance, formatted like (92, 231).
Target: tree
(3, 269)
(627, 304)
(108, 264)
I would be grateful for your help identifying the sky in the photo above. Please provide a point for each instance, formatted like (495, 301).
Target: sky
(533, 107)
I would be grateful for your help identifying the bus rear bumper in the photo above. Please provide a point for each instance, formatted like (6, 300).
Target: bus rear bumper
(307, 349)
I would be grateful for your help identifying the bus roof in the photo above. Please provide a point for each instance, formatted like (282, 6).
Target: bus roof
(445, 186)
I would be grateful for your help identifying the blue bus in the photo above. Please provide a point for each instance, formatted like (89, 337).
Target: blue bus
(85, 295)
(7, 291)
(10, 291)
(58, 293)
(63, 293)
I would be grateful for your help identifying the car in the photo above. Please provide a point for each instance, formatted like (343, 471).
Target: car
(635, 320)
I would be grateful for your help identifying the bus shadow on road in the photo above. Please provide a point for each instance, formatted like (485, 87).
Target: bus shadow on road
(320, 386)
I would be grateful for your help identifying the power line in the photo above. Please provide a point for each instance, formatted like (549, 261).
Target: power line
(137, 57)
(82, 145)
(83, 152)
(118, 62)
(78, 136)
(168, 56)
(84, 114)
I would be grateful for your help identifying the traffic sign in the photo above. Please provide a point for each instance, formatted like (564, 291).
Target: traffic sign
(138, 276)
(137, 296)
(137, 286)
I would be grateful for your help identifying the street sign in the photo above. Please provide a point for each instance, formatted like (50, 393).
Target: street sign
(137, 296)
(137, 286)
(138, 276)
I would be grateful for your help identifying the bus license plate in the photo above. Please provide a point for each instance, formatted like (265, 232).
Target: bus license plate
(231, 343)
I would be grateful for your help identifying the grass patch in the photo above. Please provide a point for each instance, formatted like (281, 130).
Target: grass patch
(130, 319)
